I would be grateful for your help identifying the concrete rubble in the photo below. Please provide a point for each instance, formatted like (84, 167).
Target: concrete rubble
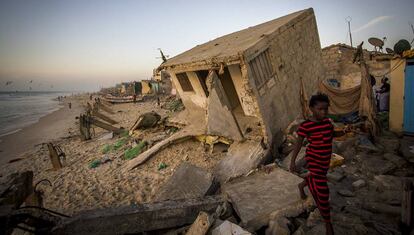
(188, 181)
(243, 114)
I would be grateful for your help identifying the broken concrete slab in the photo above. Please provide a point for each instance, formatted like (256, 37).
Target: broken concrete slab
(376, 165)
(187, 181)
(388, 182)
(280, 220)
(145, 120)
(396, 159)
(241, 158)
(257, 196)
(407, 148)
(336, 175)
(138, 218)
(220, 118)
(391, 145)
(16, 188)
(359, 184)
(300, 160)
(227, 228)
(382, 208)
(346, 193)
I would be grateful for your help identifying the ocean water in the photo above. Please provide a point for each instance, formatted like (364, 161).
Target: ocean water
(20, 109)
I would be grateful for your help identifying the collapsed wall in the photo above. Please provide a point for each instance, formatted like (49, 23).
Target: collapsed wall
(294, 53)
(339, 68)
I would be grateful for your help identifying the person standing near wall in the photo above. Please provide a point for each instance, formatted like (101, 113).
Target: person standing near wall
(384, 95)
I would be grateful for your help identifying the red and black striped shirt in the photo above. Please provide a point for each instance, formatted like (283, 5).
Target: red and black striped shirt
(319, 150)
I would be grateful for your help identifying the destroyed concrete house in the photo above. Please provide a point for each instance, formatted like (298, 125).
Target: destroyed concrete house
(340, 69)
(251, 77)
(343, 76)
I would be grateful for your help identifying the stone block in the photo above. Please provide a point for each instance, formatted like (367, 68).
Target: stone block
(240, 159)
(359, 184)
(188, 181)
(258, 195)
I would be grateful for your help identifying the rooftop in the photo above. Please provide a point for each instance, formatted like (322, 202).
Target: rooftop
(231, 44)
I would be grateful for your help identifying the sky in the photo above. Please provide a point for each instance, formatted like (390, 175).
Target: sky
(78, 45)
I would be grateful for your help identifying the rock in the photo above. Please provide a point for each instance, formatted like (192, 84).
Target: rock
(146, 120)
(188, 181)
(257, 196)
(382, 208)
(359, 184)
(388, 182)
(390, 145)
(317, 230)
(300, 160)
(346, 193)
(349, 169)
(391, 197)
(314, 219)
(227, 228)
(349, 154)
(376, 166)
(397, 160)
(407, 148)
(364, 144)
(240, 159)
(336, 176)
(279, 226)
(300, 231)
(343, 146)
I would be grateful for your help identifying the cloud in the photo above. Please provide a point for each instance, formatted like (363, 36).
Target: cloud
(372, 23)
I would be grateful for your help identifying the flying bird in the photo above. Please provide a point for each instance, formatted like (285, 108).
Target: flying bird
(30, 81)
(8, 83)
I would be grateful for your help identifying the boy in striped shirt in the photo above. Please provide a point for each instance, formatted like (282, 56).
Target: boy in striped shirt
(319, 132)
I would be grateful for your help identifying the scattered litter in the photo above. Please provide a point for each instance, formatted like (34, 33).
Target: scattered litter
(173, 105)
(336, 160)
(162, 166)
(95, 163)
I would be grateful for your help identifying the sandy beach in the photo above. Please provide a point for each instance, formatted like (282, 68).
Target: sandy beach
(56, 125)
(77, 187)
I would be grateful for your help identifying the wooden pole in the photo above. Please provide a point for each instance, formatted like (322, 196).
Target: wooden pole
(54, 157)
(407, 207)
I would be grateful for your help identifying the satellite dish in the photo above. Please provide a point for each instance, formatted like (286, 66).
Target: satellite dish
(376, 42)
(389, 50)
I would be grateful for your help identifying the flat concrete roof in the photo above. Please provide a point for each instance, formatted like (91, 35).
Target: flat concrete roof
(231, 44)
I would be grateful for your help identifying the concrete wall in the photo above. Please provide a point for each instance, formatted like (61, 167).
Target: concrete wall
(397, 78)
(295, 53)
(191, 98)
(242, 89)
(337, 62)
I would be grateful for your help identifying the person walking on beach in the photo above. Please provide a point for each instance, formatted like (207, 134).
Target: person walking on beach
(70, 105)
(319, 131)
